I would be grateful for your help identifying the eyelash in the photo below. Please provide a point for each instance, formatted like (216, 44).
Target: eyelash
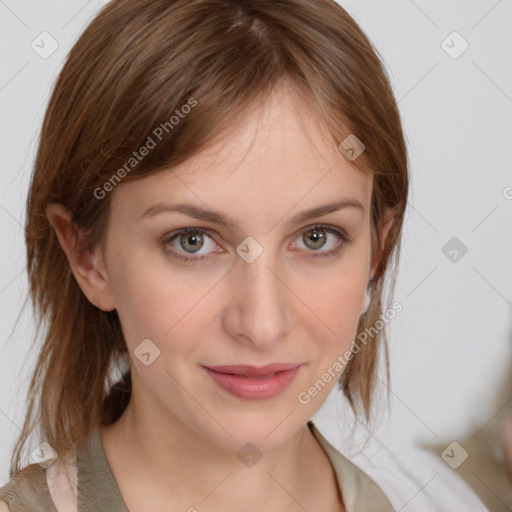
(312, 254)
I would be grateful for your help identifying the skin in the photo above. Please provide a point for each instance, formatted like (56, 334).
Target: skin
(181, 431)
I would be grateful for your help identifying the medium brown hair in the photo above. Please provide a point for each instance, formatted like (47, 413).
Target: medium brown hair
(135, 64)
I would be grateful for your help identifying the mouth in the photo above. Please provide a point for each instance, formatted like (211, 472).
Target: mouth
(252, 382)
(254, 371)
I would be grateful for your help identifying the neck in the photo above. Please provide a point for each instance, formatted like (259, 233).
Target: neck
(170, 455)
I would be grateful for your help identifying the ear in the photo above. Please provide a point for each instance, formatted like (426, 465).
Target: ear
(87, 263)
(387, 222)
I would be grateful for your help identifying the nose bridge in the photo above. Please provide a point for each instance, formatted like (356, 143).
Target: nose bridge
(260, 299)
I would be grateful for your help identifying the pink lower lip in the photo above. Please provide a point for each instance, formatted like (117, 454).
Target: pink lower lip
(254, 388)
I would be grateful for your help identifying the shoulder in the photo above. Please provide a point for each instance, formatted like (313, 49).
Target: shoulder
(50, 486)
(24, 489)
(41, 488)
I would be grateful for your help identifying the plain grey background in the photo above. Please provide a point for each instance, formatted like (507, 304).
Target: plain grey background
(451, 345)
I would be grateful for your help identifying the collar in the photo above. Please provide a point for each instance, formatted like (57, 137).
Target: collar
(359, 491)
(98, 490)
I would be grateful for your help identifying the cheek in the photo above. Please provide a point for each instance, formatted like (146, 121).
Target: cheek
(138, 293)
(337, 303)
(155, 302)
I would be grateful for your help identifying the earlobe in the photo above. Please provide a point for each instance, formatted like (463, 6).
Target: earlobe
(86, 263)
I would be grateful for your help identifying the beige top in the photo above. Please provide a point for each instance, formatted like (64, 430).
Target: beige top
(97, 488)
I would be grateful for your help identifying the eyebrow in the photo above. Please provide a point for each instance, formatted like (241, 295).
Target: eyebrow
(224, 220)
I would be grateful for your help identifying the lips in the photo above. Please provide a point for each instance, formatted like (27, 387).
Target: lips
(253, 382)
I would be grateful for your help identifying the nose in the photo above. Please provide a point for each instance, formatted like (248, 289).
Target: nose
(258, 308)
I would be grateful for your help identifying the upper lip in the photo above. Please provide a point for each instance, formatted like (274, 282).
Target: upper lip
(254, 371)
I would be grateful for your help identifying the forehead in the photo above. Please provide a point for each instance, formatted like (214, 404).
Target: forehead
(278, 157)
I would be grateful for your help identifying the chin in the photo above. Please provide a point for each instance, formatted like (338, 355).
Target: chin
(264, 429)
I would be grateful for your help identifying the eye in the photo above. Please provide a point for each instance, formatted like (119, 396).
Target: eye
(189, 241)
(317, 237)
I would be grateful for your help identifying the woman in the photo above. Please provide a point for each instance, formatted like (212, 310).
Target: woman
(218, 194)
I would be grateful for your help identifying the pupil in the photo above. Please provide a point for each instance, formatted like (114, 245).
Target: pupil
(194, 241)
(317, 237)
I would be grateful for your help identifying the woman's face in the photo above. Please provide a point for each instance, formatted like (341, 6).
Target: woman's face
(265, 289)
